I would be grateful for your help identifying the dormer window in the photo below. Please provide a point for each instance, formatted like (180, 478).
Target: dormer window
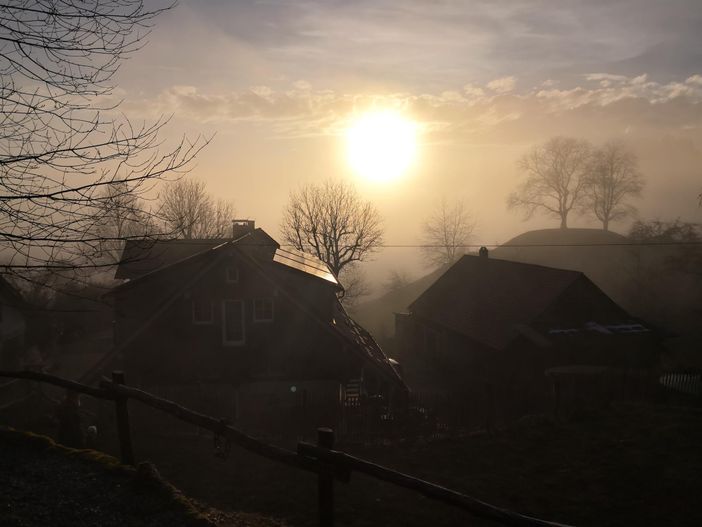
(263, 310)
(232, 274)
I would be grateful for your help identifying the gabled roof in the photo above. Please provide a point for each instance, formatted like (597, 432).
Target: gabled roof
(486, 298)
(141, 257)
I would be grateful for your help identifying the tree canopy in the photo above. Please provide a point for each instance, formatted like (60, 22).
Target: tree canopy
(331, 221)
(63, 144)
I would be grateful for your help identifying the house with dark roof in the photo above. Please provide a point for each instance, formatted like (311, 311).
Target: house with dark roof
(491, 325)
(243, 328)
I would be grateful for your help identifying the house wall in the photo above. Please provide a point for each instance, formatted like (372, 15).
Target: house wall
(510, 382)
(467, 384)
(178, 354)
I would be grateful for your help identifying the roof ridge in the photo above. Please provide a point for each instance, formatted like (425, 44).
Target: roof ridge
(515, 262)
(140, 279)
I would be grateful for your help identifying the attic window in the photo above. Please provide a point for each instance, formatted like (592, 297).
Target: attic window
(202, 311)
(232, 274)
(263, 310)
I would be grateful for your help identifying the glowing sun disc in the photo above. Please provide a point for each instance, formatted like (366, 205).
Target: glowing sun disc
(381, 145)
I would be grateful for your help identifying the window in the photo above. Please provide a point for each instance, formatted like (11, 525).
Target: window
(233, 322)
(232, 274)
(263, 310)
(202, 311)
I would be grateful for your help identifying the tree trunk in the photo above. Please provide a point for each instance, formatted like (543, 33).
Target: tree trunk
(564, 222)
(605, 224)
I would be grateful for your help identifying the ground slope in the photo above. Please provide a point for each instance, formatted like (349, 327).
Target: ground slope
(44, 483)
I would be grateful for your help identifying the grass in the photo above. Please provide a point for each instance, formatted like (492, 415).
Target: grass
(631, 465)
(44, 483)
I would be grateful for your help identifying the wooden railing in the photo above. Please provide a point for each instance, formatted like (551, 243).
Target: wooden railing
(330, 465)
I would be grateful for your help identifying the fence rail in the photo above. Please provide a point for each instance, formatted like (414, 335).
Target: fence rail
(322, 459)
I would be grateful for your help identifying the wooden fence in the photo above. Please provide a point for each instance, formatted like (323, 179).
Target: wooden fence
(330, 465)
(685, 383)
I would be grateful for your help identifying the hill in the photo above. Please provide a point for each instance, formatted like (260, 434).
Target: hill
(45, 483)
(607, 258)
(378, 315)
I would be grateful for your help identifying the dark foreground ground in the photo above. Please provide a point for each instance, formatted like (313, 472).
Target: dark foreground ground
(631, 465)
(44, 484)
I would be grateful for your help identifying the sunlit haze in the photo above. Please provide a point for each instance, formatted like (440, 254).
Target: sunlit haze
(381, 145)
(403, 263)
(279, 85)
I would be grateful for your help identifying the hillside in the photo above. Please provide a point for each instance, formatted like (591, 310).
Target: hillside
(44, 483)
(378, 315)
(604, 256)
(604, 469)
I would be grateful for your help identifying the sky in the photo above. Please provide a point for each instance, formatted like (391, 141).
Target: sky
(276, 83)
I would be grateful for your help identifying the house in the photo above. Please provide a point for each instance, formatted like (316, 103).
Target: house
(488, 329)
(243, 328)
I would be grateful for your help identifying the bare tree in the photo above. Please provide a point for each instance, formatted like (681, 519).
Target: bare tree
(396, 279)
(614, 178)
(62, 142)
(556, 178)
(332, 222)
(188, 211)
(123, 215)
(446, 233)
(355, 284)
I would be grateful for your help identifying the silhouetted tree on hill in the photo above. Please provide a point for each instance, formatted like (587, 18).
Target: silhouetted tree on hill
(556, 174)
(612, 180)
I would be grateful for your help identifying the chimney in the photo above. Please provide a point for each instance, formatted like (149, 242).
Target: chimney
(242, 227)
(483, 252)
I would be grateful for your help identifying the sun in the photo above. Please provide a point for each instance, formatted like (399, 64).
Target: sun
(381, 145)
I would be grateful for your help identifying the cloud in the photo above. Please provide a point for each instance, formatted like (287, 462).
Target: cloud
(496, 111)
(502, 85)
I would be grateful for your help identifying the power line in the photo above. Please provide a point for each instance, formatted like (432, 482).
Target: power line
(522, 245)
(496, 245)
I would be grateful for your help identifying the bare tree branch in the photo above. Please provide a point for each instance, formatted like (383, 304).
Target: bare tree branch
(556, 177)
(188, 211)
(331, 221)
(69, 162)
(613, 178)
(446, 233)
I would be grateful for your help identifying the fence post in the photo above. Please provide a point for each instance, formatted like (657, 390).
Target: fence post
(325, 439)
(122, 412)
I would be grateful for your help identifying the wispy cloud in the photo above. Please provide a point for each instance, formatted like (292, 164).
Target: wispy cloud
(611, 100)
(502, 85)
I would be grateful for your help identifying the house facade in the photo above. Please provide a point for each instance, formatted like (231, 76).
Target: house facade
(487, 330)
(243, 328)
